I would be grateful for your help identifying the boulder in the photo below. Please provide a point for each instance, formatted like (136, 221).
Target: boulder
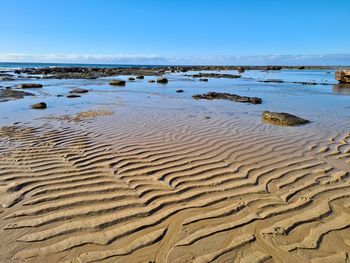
(301, 67)
(131, 78)
(203, 80)
(343, 76)
(162, 80)
(38, 106)
(151, 81)
(29, 86)
(79, 90)
(140, 77)
(117, 82)
(228, 96)
(281, 118)
(180, 91)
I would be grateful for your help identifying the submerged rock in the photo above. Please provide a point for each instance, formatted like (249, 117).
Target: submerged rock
(29, 86)
(180, 91)
(73, 96)
(11, 94)
(38, 106)
(117, 82)
(343, 76)
(228, 96)
(79, 90)
(281, 118)
(203, 80)
(151, 81)
(162, 80)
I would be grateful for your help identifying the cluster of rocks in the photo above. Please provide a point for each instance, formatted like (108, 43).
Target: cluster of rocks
(228, 96)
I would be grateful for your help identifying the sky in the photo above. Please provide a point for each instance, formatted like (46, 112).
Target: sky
(244, 32)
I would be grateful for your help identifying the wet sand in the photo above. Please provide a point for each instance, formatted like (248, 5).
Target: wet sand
(142, 174)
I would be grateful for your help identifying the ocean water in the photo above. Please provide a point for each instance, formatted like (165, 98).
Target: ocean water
(14, 65)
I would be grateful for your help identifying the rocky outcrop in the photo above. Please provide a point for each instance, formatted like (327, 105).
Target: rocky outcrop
(282, 118)
(162, 80)
(11, 94)
(38, 106)
(117, 82)
(214, 75)
(131, 78)
(228, 96)
(29, 86)
(343, 76)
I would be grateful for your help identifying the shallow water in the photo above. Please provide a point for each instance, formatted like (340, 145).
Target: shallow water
(325, 105)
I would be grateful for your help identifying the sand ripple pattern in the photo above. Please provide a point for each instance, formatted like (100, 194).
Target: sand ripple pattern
(173, 188)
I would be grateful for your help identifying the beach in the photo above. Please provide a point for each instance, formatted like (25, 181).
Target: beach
(144, 172)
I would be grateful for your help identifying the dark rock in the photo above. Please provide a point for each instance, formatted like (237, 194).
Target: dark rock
(11, 94)
(79, 90)
(140, 77)
(215, 75)
(228, 96)
(240, 70)
(179, 91)
(29, 86)
(301, 67)
(151, 81)
(131, 78)
(73, 96)
(343, 76)
(281, 118)
(162, 80)
(59, 95)
(117, 82)
(203, 80)
(38, 106)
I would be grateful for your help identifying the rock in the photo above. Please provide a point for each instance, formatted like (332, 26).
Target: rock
(281, 118)
(301, 67)
(79, 90)
(131, 78)
(38, 106)
(179, 91)
(151, 81)
(228, 96)
(11, 94)
(343, 76)
(240, 70)
(140, 77)
(162, 80)
(214, 75)
(73, 96)
(60, 95)
(117, 82)
(29, 86)
(203, 79)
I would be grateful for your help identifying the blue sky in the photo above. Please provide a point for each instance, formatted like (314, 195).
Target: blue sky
(176, 32)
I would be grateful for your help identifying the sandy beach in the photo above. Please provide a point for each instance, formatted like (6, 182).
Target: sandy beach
(143, 173)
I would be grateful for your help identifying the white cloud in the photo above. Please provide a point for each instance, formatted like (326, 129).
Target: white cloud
(318, 59)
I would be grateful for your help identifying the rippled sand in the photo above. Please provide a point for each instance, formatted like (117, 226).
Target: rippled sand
(173, 186)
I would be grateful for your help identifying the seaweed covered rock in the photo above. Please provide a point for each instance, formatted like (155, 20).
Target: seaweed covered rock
(38, 106)
(282, 118)
(162, 80)
(228, 96)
